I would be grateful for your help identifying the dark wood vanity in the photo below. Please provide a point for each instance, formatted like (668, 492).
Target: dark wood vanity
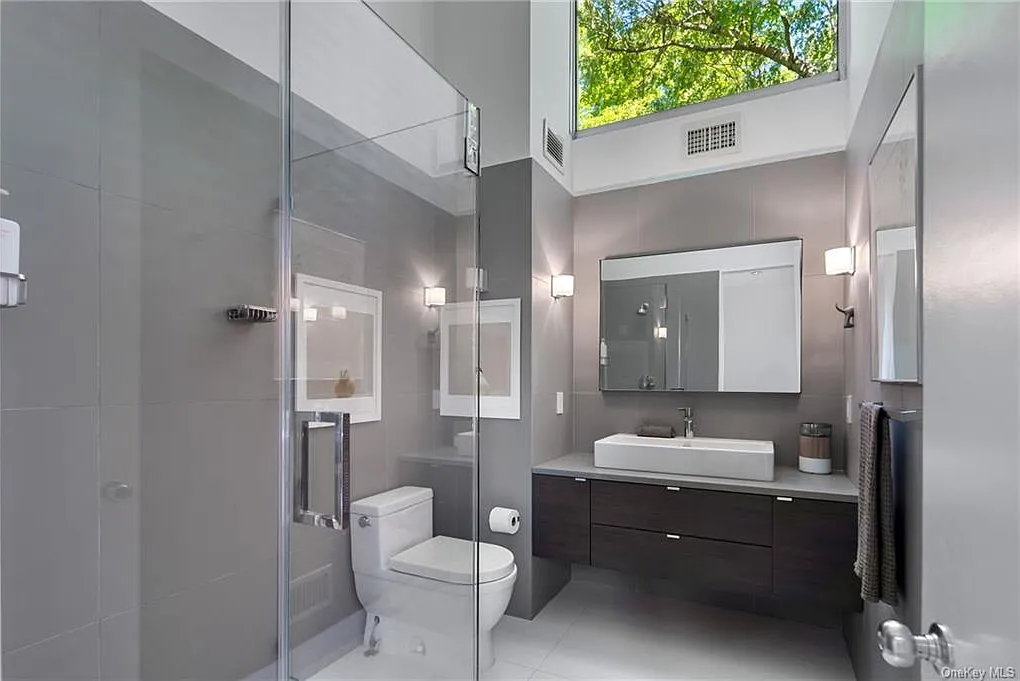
(783, 546)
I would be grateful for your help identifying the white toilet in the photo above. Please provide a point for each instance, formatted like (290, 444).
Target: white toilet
(418, 590)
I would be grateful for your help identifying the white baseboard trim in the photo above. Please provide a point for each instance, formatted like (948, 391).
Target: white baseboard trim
(321, 650)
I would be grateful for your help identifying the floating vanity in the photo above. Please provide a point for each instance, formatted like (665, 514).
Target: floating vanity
(793, 537)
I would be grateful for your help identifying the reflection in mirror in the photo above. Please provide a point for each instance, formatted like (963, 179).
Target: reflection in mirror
(895, 259)
(713, 320)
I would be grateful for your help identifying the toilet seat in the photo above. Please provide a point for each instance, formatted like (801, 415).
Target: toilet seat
(451, 560)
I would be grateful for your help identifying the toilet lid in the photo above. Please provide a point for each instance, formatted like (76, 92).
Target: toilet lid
(450, 560)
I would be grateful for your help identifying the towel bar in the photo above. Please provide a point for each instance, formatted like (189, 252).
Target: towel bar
(897, 414)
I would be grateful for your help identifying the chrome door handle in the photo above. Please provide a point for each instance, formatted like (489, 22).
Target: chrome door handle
(900, 647)
(341, 425)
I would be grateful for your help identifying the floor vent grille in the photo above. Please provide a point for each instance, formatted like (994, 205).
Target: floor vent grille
(717, 137)
(311, 593)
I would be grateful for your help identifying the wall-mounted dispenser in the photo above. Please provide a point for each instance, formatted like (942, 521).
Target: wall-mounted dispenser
(13, 286)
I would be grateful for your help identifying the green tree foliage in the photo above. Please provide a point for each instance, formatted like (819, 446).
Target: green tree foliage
(635, 57)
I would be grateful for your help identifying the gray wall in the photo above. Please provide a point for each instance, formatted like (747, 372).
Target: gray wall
(526, 236)
(143, 164)
(552, 252)
(899, 53)
(799, 198)
(144, 192)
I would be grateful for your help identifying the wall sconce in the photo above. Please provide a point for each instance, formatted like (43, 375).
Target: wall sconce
(839, 260)
(562, 285)
(435, 296)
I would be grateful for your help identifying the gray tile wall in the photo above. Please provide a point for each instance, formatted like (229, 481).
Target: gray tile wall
(799, 198)
(526, 236)
(504, 454)
(901, 50)
(143, 165)
(552, 252)
(144, 192)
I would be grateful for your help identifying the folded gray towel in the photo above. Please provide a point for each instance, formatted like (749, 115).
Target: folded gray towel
(655, 430)
(876, 546)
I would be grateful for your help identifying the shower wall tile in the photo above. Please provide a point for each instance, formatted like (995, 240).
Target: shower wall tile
(207, 473)
(121, 295)
(120, 517)
(49, 346)
(50, 67)
(225, 629)
(71, 656)
(190, 275)
(50, 523)
(120, 639)
(182, 142)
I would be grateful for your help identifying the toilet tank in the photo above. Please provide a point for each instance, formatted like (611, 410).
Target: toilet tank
(387, 523)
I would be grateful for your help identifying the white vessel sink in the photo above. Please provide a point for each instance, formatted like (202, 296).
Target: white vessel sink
(711, 457)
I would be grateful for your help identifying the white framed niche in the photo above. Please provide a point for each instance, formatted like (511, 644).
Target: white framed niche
(338, 348)
(499, 364)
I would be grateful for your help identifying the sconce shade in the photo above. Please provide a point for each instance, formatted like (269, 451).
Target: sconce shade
(435, 296)
(839, 260)
(562, 285)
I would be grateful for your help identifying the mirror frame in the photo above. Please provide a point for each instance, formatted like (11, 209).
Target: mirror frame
(755, 242)
(916, 81)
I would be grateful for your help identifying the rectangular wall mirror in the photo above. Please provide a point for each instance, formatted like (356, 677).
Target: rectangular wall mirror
(338, 348)
(711, 320)
(893, 176)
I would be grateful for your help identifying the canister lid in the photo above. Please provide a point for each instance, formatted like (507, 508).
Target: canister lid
(816, 429)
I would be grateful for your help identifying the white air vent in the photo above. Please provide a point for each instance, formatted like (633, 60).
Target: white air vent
(716, 137)
(311, 593)
(552, 145)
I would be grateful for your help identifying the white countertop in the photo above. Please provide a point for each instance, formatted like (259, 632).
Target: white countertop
(788, 481)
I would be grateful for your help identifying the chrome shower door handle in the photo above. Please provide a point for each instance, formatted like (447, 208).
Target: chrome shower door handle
(337, 520)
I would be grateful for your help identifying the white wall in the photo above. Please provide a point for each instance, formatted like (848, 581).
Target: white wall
(803, 122)
(868, 20)
(551, 76)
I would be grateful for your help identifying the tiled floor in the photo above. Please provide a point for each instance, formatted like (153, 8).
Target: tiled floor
(592, 631)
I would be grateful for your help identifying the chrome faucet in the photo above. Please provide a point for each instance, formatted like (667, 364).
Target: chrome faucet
(688, 421)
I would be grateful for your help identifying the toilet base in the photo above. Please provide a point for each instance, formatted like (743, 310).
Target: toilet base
(452, 655)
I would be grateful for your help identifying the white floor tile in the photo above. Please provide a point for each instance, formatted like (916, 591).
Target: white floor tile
(528, 642)
(503, 670)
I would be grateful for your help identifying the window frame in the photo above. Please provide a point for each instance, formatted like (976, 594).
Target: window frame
(842, 54)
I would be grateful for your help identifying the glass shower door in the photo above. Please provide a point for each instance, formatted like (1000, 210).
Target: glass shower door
(382, 243)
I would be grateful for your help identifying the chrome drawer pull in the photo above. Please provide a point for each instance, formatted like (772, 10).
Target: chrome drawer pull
(673, 536)
(784, 498)
(672, 489)
(581, 479)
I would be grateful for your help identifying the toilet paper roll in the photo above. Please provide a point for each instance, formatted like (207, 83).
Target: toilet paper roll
(504, 520)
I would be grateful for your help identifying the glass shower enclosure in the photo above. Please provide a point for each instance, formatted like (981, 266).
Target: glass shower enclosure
(240, 227)
(379, 243)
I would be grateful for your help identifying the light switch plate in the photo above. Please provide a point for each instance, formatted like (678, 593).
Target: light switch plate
(559, 403)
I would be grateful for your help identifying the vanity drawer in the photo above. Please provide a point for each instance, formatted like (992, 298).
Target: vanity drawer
(714, 564)
(814, 552)
(727, 516)
(561, 522)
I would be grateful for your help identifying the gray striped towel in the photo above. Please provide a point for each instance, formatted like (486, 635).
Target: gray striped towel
(876, 547)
